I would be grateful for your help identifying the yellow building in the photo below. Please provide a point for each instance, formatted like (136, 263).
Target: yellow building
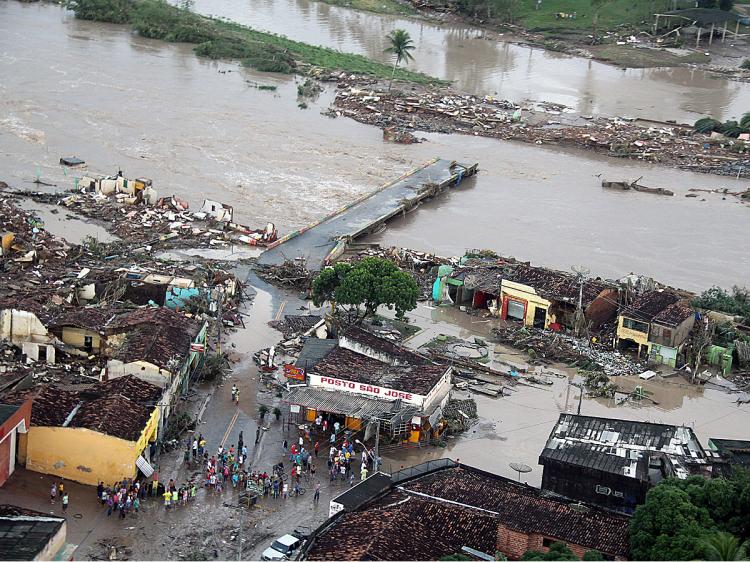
(95, 434)
(522, 302)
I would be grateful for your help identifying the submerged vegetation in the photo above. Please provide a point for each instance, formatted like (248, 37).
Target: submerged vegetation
(219, 39)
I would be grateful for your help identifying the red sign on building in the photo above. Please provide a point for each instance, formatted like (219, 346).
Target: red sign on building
(292, 372)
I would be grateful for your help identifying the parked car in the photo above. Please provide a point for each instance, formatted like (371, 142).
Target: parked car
(282, 548)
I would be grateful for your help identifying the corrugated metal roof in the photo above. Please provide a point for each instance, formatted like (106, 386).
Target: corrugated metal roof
(346, 403)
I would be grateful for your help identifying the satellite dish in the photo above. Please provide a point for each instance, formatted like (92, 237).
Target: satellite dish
(579, 507)
(520, 468)
(581, 270)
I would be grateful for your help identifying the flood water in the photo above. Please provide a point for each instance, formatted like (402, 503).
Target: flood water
(515, 428)
(155, 110)
(481, 62)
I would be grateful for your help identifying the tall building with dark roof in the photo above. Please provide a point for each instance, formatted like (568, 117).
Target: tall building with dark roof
(614, 462)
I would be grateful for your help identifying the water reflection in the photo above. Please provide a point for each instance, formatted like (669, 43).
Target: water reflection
(480, 62)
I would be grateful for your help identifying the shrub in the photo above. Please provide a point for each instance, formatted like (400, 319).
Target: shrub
(113, 11)
(706, 125)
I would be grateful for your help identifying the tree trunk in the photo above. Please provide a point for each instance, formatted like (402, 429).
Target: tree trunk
(393, 74)
(594, 22)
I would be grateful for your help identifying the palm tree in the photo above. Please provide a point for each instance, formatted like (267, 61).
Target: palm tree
(400, 45)
(745, 121)
(724, 546)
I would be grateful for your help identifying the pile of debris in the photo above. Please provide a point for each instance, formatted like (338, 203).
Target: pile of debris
(291, 275)
(460, 414)
(555, 346)
(439, 112)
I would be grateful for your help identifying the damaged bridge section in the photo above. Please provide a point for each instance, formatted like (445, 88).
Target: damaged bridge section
(326, 239)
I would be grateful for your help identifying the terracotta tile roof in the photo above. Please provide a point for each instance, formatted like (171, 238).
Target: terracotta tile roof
(113, 415)
(675, 314)
(429, 516)
(87, 317)
(556, 285)
(156, 335)
(120, 407)
(348, 365)
(549, 283)
(403, 527)
(648, 305)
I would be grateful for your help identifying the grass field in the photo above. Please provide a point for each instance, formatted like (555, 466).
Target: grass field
(218, 39)
(637, 13)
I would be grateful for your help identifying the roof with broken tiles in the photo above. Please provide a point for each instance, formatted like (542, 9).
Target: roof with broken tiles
(86, 317)
(622, 447)
(648, 305)
(381, 345)
(119, 407)
(155, 335)
(549, 283)
(439, 512)
(418, 378)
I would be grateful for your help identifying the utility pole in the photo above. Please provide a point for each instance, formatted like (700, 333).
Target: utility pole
(581, 272)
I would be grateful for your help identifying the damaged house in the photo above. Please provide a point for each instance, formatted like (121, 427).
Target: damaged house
(22, 323)
(157, 345)
(364, 381)
(657, 323)
(82, 328)
(443, 508)
(535, 296)
(91, 433)
(614, 463)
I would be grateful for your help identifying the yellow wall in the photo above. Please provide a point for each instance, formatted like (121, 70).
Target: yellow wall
(624, 333)
(75, 337)
(526, 293)
(83, 455)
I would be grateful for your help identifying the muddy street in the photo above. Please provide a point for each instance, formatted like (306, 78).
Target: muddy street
(482, 63)
(209, 132)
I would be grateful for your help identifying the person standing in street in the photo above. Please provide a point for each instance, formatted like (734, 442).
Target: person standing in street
(53, 492)
(316, 497)
(363, 473)
(65, 501)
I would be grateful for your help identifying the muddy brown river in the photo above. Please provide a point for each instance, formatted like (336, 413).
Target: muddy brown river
(481, 62)
(202, 129)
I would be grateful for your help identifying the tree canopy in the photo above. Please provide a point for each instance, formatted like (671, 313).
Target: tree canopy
(357, 290)
(679, 517)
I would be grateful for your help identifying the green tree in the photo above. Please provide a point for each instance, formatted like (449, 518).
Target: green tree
(456, 556)
(726, 5)
(359, 289)
(668, 526)
(592, 555)
(724, 546)
(400, 46)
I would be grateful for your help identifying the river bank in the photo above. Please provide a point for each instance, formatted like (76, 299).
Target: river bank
(217, 39)
(401, 114)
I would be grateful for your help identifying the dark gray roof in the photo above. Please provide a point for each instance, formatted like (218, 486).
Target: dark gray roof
(621, 447)
(6, 411)
(364, 491)
(25, 533)
(736, 451)
(313, 351)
